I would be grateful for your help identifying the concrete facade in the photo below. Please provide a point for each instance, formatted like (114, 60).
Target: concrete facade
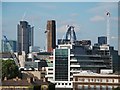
(93, 81)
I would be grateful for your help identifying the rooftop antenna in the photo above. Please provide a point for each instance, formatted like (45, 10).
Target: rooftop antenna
(24, 14)
(108, 27)
(23, 17)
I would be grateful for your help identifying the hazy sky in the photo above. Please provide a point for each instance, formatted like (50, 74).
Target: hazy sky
(89, 19)
(60, 0)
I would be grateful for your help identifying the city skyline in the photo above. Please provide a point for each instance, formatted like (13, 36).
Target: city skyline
(89, 19)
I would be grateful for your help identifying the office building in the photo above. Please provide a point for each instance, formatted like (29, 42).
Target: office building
(73, 56)
(51, 35)
(70, 59)
(5, 47)
(102, 40)
(24, 36)
(61, 68)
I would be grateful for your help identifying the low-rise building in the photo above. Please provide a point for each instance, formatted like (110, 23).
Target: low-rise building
(87, 80)
(35, 74)
(26, 84)
(49, 73)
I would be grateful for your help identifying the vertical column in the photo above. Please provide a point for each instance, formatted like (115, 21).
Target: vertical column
(95, 87)
(107, 87)
(82, 87)
(100, 87)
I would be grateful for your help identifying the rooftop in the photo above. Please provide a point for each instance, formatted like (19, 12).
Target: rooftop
(89, 73)
(23, 82)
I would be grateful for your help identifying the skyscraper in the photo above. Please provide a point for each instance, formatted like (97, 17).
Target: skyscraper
(51, 35)
(25, 36)
(31, 36)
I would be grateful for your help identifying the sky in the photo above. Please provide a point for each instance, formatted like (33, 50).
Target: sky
(60, 0)
(89, 19)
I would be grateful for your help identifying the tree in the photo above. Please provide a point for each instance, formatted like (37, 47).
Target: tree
(9, 69)
(118, 88)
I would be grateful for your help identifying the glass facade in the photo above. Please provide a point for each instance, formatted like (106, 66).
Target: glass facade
(13, 45)
(90, 59)
(102, 40)
(61, 65)
(24, 36)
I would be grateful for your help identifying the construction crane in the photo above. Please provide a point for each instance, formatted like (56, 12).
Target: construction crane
(108, 27)
(11, 51)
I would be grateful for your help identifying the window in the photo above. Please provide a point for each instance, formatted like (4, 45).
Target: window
(110, 80)
(92, 80)
(103, 80)
(50, 73)
(50, 69)
(86, 80)
(98, 80)
(58, 83)
(81, 79)
(69, 83)
(65, 83)
(62, 83)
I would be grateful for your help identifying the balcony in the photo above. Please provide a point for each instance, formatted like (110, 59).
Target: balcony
(74, 65)
(72, 55)
(75, 71)
(73, 60)
(93, 65)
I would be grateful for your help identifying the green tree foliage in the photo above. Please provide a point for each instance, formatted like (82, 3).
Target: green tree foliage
(9, 69)
(118, 88)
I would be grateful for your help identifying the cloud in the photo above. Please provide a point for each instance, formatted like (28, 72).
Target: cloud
(62, 29)
(67, 22)
(74, 15)
(48, 6)
(97, 18)
(113, 37)
(44, 5)
(115, 19)
(103, 7)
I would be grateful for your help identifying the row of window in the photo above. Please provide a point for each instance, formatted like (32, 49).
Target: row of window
(63, 83)
(91, 87)
(98, 80)
(93, 57)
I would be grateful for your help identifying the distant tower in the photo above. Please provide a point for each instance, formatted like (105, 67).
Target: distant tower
(108, 28)
(51, 35)
(24, 36)
(102, 40)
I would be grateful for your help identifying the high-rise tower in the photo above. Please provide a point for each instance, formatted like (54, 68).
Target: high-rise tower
(51, 35)
(24, 36)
